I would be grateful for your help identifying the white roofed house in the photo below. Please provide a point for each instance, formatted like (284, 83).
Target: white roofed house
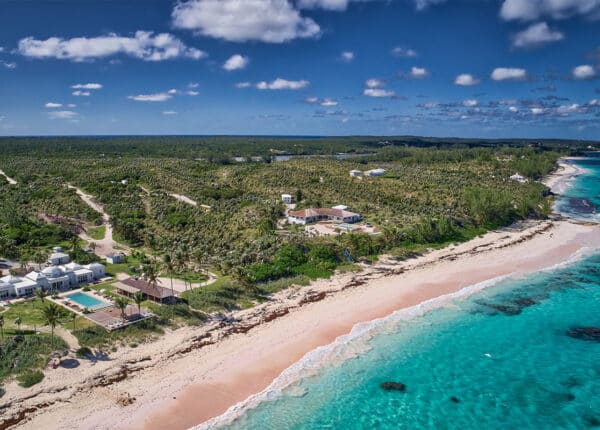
(307, 216)
(375, 172)
(58, 258)
(18, 286)
(6, 290)
(97, 269)
(115, 258)
(287, 199)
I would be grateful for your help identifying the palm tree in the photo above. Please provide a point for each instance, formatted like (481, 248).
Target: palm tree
(73, 318)
(74, 244)
(40, 257)
(41, 294)
(18, 323)
(138, 298)
(150, 274)
(121, 303)
(169, 267)
(2, 326)
(51, 314)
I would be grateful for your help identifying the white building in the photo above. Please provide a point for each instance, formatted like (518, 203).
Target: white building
(517, 177)
(115, 258)
(375, 172)
(287, 199)
(308, 216)
(58, 258)
(71, 275)
(356, 173)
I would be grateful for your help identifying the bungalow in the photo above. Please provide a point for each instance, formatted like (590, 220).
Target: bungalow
(375, 172)
(129, 287)
(287, 199)
(307, 216)
(115, 258)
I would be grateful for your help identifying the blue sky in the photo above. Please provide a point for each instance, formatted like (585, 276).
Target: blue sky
(467, 68)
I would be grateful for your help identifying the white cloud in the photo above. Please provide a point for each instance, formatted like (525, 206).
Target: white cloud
(509, 74)
(470, 103)
(243, 85)
(466, 80)
(193, 85)
(79, 93)
(156, 97)
(144, 46)
(530, 10)
(418, 73)
(311, 100)
(236, 62)
(328, 102)
(423, 4)
(71, 105)
(404, 52)
(9, 66)
(324, 4)
(567, 109)
(169, 112)
(537, 111)
(282, 84)
(513, 109)
(272, 21)
(374, 83)
(584, 72)
(172, 91)
(52, 105)
(347, 56)
(536, 35)
(62, 114)
(90, 86)
(378, 92)
(192, 93)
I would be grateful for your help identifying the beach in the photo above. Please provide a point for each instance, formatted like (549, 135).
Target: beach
(195, 374)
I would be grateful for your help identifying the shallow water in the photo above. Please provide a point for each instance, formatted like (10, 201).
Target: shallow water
(500, 359)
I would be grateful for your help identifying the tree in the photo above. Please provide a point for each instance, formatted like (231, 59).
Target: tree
(40, 257)
(73, 318)
(2, 326)
(74, 244)
(169, 267)
(121, 303)
(18, 323)
(41, 294)
(51, 314)
(138, 298)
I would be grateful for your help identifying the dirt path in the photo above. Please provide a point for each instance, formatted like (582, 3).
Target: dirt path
(11, 181)
(105, 246)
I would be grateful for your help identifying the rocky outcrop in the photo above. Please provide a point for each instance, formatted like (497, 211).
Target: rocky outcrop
(591, 334)
(393, 386)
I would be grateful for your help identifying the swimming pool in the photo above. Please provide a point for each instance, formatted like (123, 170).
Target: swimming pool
(346, 226)
(87, 301)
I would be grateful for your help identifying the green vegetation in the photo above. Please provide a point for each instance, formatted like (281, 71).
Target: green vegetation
(97, 233)
(30, 378)
(97, 337)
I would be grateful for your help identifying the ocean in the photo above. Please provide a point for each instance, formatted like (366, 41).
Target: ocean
(511, 356)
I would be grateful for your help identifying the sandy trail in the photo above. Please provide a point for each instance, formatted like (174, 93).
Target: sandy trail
(11, 181)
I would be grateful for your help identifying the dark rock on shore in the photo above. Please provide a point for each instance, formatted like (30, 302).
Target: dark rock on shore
(591, 334)
(393, 386)
(454, 399)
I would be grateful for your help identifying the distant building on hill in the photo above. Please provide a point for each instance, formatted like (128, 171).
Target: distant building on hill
(287, 199)
(375, 172)
(308, 216)
(115, 258)
(58, 258)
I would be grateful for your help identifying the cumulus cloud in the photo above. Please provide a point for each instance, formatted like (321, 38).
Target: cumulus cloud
(243, 85)
(374, 83)
(584, 72)
(144, 45)
(9, 66)
(418, 72)
(530, 10)
(347, 56)
(192, 93)
(378, 92)
(52, 105)
(62, 114)
(90, 86)
(327, 102)
(536, 35)
(271, 21)
(465, 80)
(80, 93)
(423, 4)
(470, 103)
(404, 52)
(169, 112)
(513, 109)
(282, 84)
(236, 62)
(156, 97)
(537, 111)
(509, 74)
(324, 4)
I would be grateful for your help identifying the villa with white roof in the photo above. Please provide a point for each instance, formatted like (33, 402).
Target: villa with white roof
(52, 278)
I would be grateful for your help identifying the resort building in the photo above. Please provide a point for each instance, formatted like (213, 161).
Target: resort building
(53, 278)
(375, 172)
(156, 293)
(58, 258)
(308, 216)
(287, 199)
(356, 173)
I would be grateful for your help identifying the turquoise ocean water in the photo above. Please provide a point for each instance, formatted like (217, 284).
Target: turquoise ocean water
(499, 359)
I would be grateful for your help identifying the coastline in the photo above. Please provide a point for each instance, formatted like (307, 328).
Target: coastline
(193, 374)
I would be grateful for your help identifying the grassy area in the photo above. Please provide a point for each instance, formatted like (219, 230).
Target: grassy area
(30, 313)
(97, 233)
(190, 276)
(97, 337)
(125, 267)
(23, 355)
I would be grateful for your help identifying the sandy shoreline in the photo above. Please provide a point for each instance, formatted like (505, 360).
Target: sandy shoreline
(196, 373)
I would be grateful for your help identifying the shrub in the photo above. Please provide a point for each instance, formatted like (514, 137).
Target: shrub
(83, 352)
(30, 378)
